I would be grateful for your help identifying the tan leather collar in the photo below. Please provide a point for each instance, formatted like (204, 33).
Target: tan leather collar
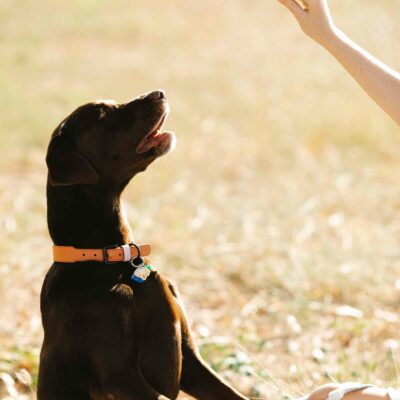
(69, 254)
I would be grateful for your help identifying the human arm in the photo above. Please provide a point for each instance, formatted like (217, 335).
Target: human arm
(381, 82)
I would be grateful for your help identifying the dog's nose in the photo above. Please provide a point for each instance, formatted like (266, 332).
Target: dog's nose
(157, 95)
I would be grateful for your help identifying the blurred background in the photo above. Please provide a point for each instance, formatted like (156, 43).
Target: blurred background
(278, 213)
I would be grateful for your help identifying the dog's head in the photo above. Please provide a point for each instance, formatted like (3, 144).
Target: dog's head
(108, 142)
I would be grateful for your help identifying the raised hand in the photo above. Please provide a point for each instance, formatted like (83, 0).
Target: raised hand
(381, 82)
(314, 18)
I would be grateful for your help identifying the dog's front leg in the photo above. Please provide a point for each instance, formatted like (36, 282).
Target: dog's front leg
(200, 381)
(197, 378)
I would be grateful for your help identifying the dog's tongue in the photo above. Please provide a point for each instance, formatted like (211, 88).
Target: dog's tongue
(153, 140)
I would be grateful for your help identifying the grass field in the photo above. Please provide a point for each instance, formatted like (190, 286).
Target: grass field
(278, 215)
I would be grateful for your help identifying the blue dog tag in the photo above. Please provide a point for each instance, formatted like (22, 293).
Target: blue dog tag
(141, 273)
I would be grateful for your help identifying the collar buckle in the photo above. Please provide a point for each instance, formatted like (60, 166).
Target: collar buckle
(105, 254)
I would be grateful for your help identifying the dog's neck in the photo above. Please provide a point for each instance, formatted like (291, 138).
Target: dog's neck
(86, 216)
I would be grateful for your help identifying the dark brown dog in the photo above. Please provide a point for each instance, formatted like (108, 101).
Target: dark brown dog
(106, 337)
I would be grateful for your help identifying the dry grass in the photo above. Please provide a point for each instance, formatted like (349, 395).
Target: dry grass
(279, 208)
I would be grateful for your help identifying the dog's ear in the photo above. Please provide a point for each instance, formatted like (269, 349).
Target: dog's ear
(66, 165)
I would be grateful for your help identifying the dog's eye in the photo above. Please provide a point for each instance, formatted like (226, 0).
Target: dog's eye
(102, 113)
(105, 112)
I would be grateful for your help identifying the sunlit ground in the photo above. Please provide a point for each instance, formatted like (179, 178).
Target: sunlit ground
(278, 213)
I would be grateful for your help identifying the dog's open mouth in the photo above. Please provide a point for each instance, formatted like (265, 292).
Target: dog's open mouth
(160, 142)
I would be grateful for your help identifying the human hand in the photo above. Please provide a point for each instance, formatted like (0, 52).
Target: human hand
(315, 19)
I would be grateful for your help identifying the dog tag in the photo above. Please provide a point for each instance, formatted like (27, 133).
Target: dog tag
(141, 274)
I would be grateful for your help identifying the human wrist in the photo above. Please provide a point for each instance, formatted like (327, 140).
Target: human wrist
(332, 38)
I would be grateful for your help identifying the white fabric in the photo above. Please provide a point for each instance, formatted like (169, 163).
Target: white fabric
(394, 394)
(345, 388)
(127, 252)
(348, 387)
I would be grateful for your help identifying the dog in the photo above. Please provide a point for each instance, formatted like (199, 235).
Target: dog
(111, 333)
